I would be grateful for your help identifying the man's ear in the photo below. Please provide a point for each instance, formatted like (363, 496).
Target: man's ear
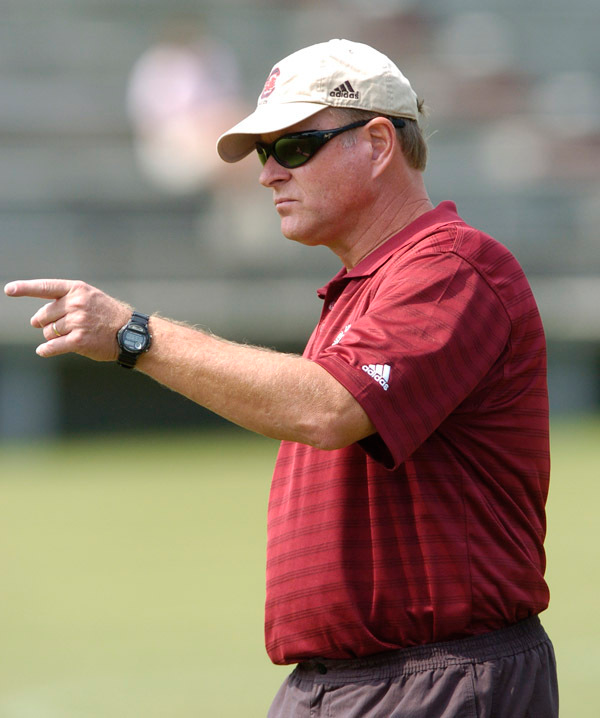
(382, 135)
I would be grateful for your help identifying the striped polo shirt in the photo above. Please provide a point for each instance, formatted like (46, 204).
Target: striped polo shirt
(432, 528)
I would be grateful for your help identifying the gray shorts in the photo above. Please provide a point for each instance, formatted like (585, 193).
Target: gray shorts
(510, 673)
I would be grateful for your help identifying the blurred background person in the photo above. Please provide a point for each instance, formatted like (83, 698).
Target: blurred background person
(182, 93)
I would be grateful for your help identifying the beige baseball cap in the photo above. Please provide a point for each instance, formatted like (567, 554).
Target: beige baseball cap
(338, 73)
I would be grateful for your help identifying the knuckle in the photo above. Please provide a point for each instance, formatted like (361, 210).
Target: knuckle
(77, 287)
(82, 288)
(77, 317)
(75, 303)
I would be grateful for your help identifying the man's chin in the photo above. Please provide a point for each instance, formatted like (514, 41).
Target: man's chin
(301, 238)
(289, 231)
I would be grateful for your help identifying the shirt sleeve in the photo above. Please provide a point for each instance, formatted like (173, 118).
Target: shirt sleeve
(429, 335)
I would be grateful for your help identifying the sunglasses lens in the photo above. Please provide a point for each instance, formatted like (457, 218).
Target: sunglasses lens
(293, 152)
(263, 155)
(290, 152)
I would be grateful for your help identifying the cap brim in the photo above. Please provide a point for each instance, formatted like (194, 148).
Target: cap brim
(240, 140)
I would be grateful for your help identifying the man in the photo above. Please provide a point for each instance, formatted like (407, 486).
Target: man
(406, 520)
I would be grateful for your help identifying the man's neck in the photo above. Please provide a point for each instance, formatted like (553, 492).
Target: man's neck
(387, 221)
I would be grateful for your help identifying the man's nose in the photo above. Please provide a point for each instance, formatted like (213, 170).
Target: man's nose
(273, 172)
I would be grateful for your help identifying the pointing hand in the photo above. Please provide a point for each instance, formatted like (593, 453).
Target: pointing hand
(79, 318)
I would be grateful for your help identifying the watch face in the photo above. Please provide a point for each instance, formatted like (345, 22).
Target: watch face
(134, 340)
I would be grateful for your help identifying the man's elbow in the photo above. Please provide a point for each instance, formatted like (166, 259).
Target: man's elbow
(339, 432)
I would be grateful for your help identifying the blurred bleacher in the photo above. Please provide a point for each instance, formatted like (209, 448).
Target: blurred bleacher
(514, 97)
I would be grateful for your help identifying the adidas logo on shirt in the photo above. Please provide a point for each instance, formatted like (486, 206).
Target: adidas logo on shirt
(345, 90)
(379, 372)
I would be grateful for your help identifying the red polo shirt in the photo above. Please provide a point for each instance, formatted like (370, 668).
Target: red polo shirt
(433, 528)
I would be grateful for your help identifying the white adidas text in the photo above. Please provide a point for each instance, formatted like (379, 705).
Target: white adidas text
(379, 372)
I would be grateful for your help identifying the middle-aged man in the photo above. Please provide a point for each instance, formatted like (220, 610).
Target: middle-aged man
(405, 567)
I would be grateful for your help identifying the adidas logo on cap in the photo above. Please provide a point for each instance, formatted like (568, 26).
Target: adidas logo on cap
(345, 90)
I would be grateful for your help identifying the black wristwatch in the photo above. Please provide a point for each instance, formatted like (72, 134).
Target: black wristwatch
(133, 339)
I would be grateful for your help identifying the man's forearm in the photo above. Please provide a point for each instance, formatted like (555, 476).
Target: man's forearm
(282, 396)
(279, 395)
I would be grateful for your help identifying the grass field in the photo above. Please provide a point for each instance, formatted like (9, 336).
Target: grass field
(133, 571)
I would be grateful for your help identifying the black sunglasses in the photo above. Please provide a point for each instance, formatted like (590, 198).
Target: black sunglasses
(295, 149)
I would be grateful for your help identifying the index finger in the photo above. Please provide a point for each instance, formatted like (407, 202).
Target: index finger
(41, 288)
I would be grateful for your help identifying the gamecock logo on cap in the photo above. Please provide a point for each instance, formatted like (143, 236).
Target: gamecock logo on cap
(270, 84)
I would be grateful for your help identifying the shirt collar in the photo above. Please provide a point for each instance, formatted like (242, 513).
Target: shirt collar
(444, 213)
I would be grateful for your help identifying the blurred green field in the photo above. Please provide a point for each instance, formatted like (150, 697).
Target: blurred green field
(133, 575)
